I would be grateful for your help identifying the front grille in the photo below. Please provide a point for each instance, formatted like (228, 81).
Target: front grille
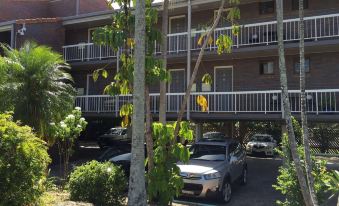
(190, 176)
(196, 188)
(258, 146)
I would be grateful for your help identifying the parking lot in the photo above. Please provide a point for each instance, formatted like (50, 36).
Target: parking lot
(262, 173)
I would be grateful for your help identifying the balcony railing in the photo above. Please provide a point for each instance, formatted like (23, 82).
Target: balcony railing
(263, 102)
(265, 33)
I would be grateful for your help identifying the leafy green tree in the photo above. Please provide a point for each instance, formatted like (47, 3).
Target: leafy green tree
(65, 134)
(35, 85)
(165, 177)
(120, 36)
(23, 164)
(287, 180)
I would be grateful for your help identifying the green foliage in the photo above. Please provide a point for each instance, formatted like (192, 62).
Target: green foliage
(332, 182)
(207, 79)
(102, 184)
(35, 84)
(287, 181)
(224, 43)
(125, 112)
(65, 134)
(165, 181)
(23, 164)
(119, 36)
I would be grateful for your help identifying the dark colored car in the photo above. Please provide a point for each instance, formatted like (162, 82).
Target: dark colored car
(113, 137)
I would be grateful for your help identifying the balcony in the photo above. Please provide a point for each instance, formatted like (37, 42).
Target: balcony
(254, 102)
(265, 33)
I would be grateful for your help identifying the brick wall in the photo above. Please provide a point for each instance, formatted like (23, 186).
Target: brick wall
(49, 33)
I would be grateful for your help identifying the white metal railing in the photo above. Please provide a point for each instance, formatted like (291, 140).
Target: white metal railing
(320, 101)
(265, 33)
(86, 52)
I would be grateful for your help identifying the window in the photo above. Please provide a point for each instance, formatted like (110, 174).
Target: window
(295, 4)
(266, 7)
(297, 66)
(267, 67)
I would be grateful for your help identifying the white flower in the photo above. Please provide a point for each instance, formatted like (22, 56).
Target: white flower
(52, 124)
(82, 119)
(70, 116)
(78, 108)
(109, 170)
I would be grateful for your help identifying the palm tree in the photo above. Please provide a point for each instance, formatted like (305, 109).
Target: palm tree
(306, 141)
(286, 106)
(164, 31)
(136, 191)
(39, 89)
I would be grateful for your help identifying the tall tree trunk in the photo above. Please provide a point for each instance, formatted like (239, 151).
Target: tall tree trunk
(286, 106)
(164, 31)
(137, 191)
(149, 140)
(196, 68)
(306, 141)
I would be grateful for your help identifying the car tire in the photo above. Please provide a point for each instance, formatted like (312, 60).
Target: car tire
(243, 179)
(226, 192)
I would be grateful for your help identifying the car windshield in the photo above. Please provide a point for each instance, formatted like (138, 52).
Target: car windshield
(208, 152)
(213, 136)
(115, 131)
(261, 139)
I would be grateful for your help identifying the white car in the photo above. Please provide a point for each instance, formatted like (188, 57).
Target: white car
(213, 167)
(261, 143)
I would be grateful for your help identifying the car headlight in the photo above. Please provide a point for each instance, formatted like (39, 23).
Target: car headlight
(214, 175)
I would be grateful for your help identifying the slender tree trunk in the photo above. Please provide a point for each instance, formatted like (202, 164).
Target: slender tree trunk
(137, 191)
(196, 68)
(149, 140)
(164, 31)
(286, 106)
(306, 141)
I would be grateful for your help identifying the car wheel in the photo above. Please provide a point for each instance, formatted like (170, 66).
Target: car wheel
(226, 193)
(243, 180)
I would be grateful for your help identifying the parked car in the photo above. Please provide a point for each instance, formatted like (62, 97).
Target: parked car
(112, 152)
(124, 160)
(261, 143)
(214, 136)
(212, 169)
(113, 136)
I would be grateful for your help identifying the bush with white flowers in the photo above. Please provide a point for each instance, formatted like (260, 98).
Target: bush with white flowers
(65, 133)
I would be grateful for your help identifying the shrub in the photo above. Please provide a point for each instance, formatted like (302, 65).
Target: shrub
(287, 181)
(98, 183)
(23, 164)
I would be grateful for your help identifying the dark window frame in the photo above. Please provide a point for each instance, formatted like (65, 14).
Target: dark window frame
(261, 67)
(295, 4)
(296, 65)
(266, 7)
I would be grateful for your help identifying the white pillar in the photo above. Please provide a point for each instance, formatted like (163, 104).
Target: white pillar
(189, 15)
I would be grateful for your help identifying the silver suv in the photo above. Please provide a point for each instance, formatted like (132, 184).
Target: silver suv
(213, 167)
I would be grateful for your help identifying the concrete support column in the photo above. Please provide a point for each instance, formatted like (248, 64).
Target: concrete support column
(189, 15)
(198, 131)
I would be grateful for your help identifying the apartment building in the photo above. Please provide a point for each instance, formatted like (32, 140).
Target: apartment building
(245, 82)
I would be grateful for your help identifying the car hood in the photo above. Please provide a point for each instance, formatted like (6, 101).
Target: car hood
(199, 166)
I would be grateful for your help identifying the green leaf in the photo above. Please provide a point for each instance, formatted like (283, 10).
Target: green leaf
(104, 73)
(207, 79)
(96, 75)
